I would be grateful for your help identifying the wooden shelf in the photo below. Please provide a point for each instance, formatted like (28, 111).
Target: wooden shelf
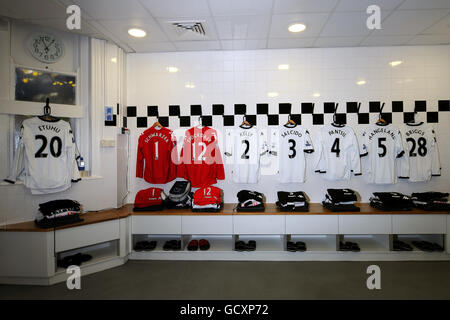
(228, 209)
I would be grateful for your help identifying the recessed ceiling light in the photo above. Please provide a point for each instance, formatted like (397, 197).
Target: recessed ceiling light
(395, 63)
(272, 94)
(297, 27)
(283, 67)
(114, 60)
(361, 82)
(138, 33)
(172, 69)
(189, 85)
(316, 94)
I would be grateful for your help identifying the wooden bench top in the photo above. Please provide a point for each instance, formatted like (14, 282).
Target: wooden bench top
(127, 210)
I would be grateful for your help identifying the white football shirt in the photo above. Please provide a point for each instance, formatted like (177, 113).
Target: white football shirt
(338, 152)
(46, 156)
(421, 160)
(290, 145)
(383, 145)
(247, 145)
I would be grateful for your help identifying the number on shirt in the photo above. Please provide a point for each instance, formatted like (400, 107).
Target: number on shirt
(335, 148)
(292, 148)
(200, 157)
(247, 147)
(54, 151)
(382, 147)
(422, 150)
(207, 191)
(156, 150)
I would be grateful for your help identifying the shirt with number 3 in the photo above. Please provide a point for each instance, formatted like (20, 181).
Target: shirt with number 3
(290, 144)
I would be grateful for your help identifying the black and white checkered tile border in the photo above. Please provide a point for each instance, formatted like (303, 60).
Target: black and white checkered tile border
(262, 109)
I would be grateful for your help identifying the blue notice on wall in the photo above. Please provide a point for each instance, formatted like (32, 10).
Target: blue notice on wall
(108, 114)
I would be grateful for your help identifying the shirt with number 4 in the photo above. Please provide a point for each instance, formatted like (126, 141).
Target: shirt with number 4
(383, 146)
(338, 152)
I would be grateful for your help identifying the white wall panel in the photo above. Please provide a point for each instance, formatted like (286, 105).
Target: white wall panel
(256, 224)
(419, 224)
(365, 224)
(71, 238)
(156, 225)
(207, 224)
(312, 224)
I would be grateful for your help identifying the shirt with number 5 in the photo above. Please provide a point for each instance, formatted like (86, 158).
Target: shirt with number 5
(383, 145)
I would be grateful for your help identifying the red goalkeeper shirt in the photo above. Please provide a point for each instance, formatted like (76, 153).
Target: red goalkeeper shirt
(157, 156)
(201, 161)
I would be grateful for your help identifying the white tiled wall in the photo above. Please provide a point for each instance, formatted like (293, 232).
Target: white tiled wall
(235, 77)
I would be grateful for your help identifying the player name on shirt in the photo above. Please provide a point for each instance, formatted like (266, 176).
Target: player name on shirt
(49, 128)
(414, 131)
(291, 133)
(375, 132)
(340, 132)
(205, 137)
(161, 135)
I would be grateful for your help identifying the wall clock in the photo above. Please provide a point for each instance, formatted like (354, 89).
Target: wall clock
(46, 48)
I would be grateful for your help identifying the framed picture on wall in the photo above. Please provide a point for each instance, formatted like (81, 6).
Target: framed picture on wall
(36, 85)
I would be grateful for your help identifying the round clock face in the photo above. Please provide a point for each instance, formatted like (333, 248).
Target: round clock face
(46, 48)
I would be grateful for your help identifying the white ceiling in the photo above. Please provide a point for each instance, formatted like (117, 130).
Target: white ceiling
(245, 24)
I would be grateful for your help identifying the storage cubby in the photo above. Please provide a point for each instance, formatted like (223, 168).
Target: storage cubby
(220, 243)
(160, 240)
(315, 243)
(367, 243)
(410, 238)
(101, 252)
(263, 242)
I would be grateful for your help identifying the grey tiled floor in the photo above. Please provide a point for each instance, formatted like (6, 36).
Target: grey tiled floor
(250, 280)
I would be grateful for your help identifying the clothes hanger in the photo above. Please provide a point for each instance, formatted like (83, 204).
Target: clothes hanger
(245, 123)
(412, 122)
(200, 121)
(335, 123)
(47, 112)
(157, 124)
(380, 120)
(290, 123)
